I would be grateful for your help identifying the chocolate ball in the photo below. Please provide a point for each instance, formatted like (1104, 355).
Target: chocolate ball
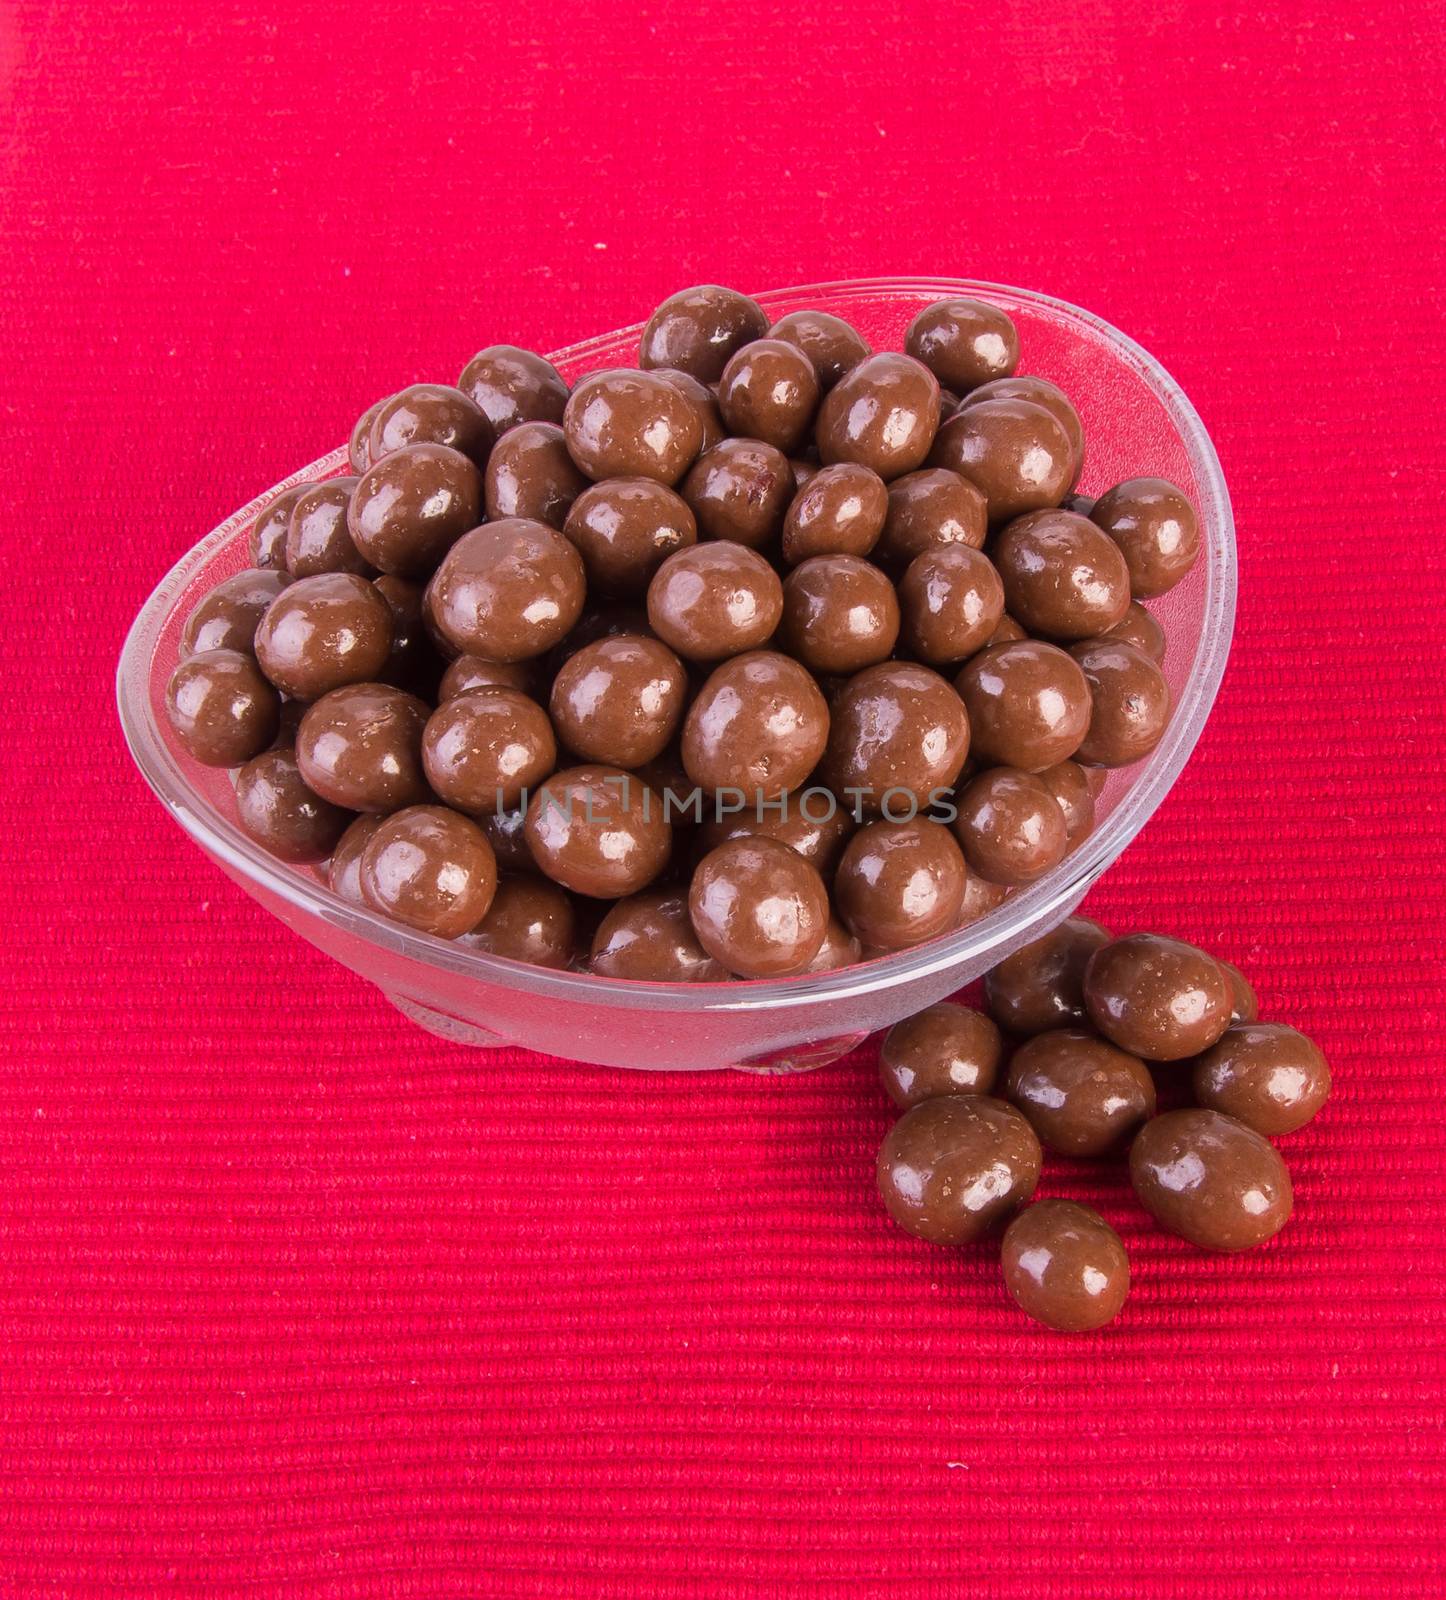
(828, 341)
(431, 869)
(951, 600)
(698, 329)
(322, 632)
(509, 386)
(430, 413)
(758, 908)
(506, 832)
(649, 938)
(411, 507)
(1156, 529)
(1010, 827)
(359, 446)
(1041, 986)
(1129, 703)
(740, 490)
(508, 590)
(759, 725)
(812, 823)
(840, 512)
(343, 871)
(476, 672)
(266, 541)
(704, 401)
(1062, 576)
(1065, 1266)
(1028, 704)
(898, 734)
(881, 414)
(1210, 1179)
(979, 899)
(598, 831)
(1007, 631)
(953, 1168)
(625, 529)
(361, 747)
(1083, 1097)
(1141, 629)
(1013, 451)
(1157, 997)
(1265, 1075)
(840, 614)
(529, 920)
(839, 949)
(227, 617)
(414, 662)
(1043, 393)
(943, 1049)
(221, 707)
(530, 474)
(485, 749)
(714, 600)
(900, 883)
(930, 508)
(963, 342)
(1070, 786)
(277, 810)
(769, 391)
(631, 425)
(316, 537)
(1244, 1005)
(619, 700)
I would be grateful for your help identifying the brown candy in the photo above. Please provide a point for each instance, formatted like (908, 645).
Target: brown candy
(759, 725)
(1028, 704)
(1129, 703)
(529, 920)
(506, 832)
(413, 661)
(930, 508)
(714, 600)
(322, 632)
(881, 414)
(625, 529)
(1065, 1266)
(619, 700)
(508, 590)
(1210, 1179)
(758, 908)
(1082, 1096)
(509, 386)
(1156, 529)
(964, 342)
(221, 707)
(623, 424)
(343, 871)
(900, 883)
(476, 672)
(704, 401)
(1051, 398)
(649, 938)
(227, 617)
(840, 511)
(1041, 986)
(430, 868)
(530, 474)
(1244, 1005)
(1062, 577)
(598, 831)
(951, 599)
(267, 540)
(359, 446)
(769, 391)
(484, 749)
(979, 899)
(1013, 451)
(1010, 827)
(895, 727)
(275, 807)
(697, 330)
(316, 537)
(1142, 629)
(1069, 783)
(1265, 1075)
(953, 1168)
(943, 1049)
(361, 747)
(828, 341)
(1157, 997)
(812, 823)
(839, 949)
(411, 507)
(840, 614)
(430, 413)
(740, 490)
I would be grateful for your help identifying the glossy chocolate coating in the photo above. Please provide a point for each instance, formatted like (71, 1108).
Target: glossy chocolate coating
(840, 614)
(1062, 577)
(1010, 826)
(1007, 631)
(484, 749)
(1157, 997)
(809, 827)
(414, 662)
(529, 920)
(1013, 451)
(881, 414)
(979, 899)
(431, 413)
(715, 600)
(930, 508)
(1129, 703)
(1041, 986)
(828, 341)
(343, 871)
(758, 724)
(267, 538)
(625, 529)
(322, 632)
(361, 747)
(954, 1168)
(839, 949)
(943, 1049)
(1210, 1179)
(951, 600)
(1040, 392)
(227, 617)
(476, 672)
(1156, 529)
(623, 424)
(508, 590)
(649, 938)
(598, 831)
(758, 908)
(840, 511)
(769, 391)
(1028, 704)
(1065, 1266)
(1244, 1006)
(506, 832)
(899, 883)
(896, 726)
(619, 700)
(963, 342)
(1265, 1075)
(1083, 1097)
(430, 868)
(317, 539)
(221, 707)
(1142, 629)
(1069, 783)
(740, 490)
(704, 401)
(359, 446)
(530, 474)
(275, 807)
(698, 329)
(509, 386)
(412, 507)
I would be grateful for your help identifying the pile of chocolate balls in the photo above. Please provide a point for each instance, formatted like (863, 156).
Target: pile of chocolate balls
(1092, 1020)
(772, 656)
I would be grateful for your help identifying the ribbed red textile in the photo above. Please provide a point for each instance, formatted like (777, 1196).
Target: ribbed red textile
(296, 1301)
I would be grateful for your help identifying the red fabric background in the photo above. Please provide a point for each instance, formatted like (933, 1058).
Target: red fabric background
(298, 1301)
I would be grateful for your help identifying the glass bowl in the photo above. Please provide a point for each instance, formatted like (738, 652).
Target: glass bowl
(1136, 421)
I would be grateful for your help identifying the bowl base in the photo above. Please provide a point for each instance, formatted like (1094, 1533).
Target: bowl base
(453, 1029)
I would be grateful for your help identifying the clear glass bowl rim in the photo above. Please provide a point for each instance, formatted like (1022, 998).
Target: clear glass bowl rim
(1020, 912)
